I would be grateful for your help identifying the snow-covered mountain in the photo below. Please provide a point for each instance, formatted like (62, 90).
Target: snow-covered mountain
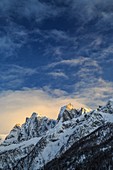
(65, 143)
(35, 126)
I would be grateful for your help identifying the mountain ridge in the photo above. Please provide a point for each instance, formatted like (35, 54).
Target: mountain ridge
(40, 140)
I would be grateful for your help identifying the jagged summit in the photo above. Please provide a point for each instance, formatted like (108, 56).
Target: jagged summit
(68, 112)
(34, 114)
(65, 112)
(33, 127)
(84, 110)
(13, 135)
(17, 125)
(69, 106)
(108, 108)
(41, 140)
(110, 103)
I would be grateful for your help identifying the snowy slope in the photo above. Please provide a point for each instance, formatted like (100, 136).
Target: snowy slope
(92, 152)
(43, 140)
(14, 152)
(21, 145)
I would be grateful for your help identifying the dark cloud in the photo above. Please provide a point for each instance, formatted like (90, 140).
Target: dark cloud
(84, 10)
(26, 8)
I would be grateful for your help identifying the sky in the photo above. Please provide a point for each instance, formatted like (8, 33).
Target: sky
(53, 52)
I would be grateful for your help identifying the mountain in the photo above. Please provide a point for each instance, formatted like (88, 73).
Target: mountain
(78, 139)
(92, 152)
(35, 126)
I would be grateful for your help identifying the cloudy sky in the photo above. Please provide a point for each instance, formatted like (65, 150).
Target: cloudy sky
(53, 52)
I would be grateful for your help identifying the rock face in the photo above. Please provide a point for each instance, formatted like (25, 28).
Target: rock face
(35, 126)
(13, 136)
(68, 112)
(107, 108)
(78, 139)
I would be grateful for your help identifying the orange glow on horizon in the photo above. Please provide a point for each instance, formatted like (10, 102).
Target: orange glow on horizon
(15, 107)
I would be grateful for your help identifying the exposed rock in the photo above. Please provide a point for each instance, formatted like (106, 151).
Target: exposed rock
(68, 112)
(13, 136)
(79, 139)
(107, 108)
(35, 126)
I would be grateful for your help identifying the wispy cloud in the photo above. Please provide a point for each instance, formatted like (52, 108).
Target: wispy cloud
(87, 10)
(95, 93)
(82, 61)
(14, 38)
(90, 88)
(28, 9)
(59, 35)
(58, 75)
(71, 62)
(7, 46)
(13, 76)
(81, 11)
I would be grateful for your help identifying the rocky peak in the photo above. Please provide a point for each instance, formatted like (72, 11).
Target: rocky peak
(17, 126)
(108, 108)
(69, 106)
(13, 136)
(35, 126)
(67, 112)
(84, 110)
(110, 104)
(41, 140)
(34, 115)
